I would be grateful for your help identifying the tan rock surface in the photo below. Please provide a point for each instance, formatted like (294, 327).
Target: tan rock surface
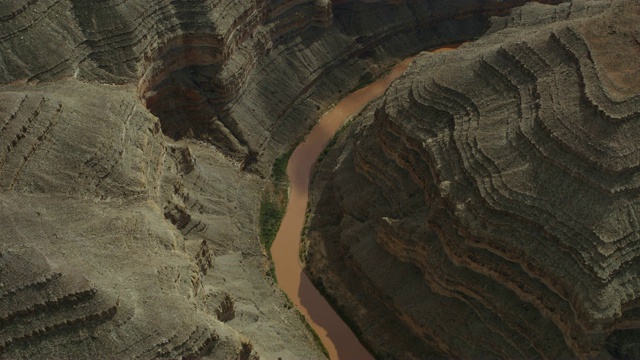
(91, 183)
(125, 130)
(487, 204)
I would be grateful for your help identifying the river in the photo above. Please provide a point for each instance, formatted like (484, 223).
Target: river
(336, 336)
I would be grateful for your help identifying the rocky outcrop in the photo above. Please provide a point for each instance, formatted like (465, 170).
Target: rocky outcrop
(488, 201)
(125, 127)
(90, 268)
(55, 308)
(248, 77)
(38, 300)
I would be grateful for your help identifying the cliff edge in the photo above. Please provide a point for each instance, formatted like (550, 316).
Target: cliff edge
(485, 207)
(136, 138)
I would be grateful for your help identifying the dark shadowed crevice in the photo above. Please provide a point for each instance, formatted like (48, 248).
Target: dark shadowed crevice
(181, 88)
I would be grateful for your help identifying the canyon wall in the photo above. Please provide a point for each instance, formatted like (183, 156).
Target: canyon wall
(247, 77)
(136, 137)
(486, 205)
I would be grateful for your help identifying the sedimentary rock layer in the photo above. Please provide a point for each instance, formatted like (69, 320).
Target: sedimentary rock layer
(90, 264)
(240, 75)
(124, 129)
(488, 201)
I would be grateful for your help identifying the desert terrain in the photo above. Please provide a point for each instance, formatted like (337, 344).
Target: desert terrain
(484, 206)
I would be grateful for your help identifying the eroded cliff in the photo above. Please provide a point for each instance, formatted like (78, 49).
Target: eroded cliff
(135, 140)
(485, 207)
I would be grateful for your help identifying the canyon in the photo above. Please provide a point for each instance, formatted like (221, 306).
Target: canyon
(339, 341)
(483, 207)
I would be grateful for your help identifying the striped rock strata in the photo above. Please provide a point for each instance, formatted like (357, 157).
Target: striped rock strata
(124, 129)
(238, 74)
(91, 263)
(487, 204)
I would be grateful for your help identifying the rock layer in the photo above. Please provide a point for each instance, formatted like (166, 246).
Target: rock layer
(249, 76)
(125, 129)
(38, 300)
(89, 265)
(488, 201)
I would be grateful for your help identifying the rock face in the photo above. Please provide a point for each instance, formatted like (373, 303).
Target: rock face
(247, 76)
(487, 204)
(38, 299)
(91, 264)
(135, 137)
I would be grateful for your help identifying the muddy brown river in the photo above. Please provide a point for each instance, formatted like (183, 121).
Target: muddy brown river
(336, 336)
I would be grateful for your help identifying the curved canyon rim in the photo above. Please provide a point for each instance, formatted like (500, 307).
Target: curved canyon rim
(339, 340)
(484, 207)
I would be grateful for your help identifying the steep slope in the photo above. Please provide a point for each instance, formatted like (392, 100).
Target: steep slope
(248, 76)
(131, 135)
(89, 265)
(487, 204)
